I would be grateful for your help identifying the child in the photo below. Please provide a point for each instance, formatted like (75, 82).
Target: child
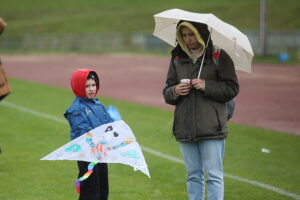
(87, 113)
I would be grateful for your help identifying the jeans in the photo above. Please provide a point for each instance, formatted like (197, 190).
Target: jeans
(204, 157)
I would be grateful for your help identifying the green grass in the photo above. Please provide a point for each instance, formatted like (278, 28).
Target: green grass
(25, 138)
(94, 16)
(62, 17)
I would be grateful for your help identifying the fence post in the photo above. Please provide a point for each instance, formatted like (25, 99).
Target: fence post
(262, 28)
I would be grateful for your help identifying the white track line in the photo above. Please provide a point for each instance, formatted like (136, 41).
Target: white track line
(157, 153)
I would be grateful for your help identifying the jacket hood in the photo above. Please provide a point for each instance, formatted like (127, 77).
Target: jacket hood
(78, 81)
(204, 33)
(181, 41)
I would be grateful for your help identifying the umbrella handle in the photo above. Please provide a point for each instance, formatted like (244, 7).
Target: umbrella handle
(203, 55)
(201, 64)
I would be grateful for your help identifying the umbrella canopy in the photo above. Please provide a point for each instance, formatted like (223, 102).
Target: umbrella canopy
(223, 35)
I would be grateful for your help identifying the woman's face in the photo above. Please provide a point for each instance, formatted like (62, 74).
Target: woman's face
(190, 39)
(90, 88)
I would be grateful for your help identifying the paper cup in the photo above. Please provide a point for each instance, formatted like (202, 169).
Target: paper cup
(185, 80)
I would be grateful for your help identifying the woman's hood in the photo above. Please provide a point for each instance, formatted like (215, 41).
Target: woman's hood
(78, 81)
(181, 41)
(202, 29)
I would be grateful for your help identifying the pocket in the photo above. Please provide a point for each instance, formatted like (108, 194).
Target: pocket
(220, 112)
(178, 124)
(218, 119)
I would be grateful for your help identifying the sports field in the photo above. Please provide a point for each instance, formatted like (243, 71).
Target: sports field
(32, 126)
(262, 155)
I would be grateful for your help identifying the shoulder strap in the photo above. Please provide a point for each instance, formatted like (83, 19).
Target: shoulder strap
(216, 55)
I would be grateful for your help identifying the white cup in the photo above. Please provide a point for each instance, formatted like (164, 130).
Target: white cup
(186, 80)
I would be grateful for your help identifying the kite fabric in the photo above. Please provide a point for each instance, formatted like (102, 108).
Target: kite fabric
(109, 143)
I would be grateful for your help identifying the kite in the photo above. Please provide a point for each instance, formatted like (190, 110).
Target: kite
(109, 143)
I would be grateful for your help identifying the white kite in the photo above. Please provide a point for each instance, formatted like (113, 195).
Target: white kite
(110, 143)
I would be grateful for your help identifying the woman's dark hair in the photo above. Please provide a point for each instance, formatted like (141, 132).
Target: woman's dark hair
(204, 32)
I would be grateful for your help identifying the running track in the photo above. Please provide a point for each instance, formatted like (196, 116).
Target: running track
(268, 98)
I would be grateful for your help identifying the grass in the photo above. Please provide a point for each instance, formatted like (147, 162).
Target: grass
(94, 16)
(25, 138)
(62, 17)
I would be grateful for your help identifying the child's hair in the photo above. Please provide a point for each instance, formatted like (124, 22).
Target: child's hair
(93, 75)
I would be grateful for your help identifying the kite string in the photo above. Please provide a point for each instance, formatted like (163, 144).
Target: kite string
(159, 130)
(162, 128)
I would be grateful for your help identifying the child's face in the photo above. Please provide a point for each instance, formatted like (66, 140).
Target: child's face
(90, 88)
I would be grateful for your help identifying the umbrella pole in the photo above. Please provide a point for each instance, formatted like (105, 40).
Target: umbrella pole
(203, 56)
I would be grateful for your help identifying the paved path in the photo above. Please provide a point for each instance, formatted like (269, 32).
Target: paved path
(268, 98)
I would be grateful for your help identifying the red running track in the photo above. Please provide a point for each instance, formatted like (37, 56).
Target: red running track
(268, 98)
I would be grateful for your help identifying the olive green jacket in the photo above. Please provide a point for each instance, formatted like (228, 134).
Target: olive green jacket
(201, 114)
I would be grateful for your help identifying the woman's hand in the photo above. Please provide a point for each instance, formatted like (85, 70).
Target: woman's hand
(198, 84)
(182, 89)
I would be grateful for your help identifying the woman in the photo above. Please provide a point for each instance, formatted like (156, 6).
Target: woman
(200, 118)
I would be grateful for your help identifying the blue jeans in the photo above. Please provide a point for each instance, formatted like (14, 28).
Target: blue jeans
(204, 157)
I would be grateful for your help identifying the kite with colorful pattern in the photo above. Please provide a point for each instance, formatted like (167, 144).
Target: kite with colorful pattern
(110, 143)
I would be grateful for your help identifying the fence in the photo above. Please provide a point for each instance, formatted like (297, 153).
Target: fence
(277, 42)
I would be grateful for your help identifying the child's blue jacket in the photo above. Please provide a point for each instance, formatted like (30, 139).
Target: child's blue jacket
(84, 115)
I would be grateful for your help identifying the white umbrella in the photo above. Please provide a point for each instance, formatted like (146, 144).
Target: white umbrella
(223, 35)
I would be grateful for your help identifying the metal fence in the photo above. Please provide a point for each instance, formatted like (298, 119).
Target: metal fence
(277, 42)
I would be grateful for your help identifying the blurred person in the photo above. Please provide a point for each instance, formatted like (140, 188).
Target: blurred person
(85, 114)
(200, 117)
(2, 25)
(4, 85)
